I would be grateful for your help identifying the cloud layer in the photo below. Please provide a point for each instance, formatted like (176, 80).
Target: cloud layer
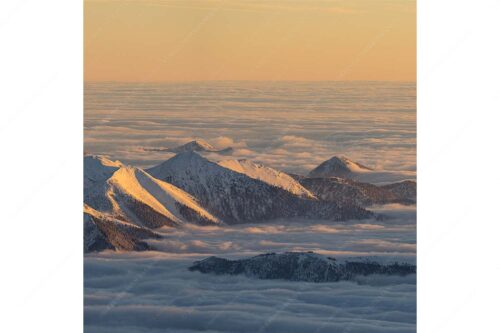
(289, 126)
(154, 291)
(175, 300)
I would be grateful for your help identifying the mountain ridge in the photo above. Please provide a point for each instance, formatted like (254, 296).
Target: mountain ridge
(268, 175)
(124, 204)
(238, 198)
(299, 266)
(133, 195)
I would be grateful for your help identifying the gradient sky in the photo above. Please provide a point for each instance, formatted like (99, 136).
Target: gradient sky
(160, 40)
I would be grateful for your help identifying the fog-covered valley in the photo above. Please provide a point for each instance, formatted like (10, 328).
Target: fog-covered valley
(154, 291)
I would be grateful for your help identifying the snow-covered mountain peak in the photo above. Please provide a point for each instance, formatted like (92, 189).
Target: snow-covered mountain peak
(98, 163)
(188, 160)
(98, 168)
(267, 175)
(338, 166)
(102, 160)
(346, 162)
(196, 145)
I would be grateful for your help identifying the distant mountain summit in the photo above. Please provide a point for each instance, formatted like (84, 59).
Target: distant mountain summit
(237, 198)
(343, 167)
(200, 146)
(344, 181)
(338, 167)
(196, 145)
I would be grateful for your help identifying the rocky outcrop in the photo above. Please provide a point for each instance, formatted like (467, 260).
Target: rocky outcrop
(300, 266)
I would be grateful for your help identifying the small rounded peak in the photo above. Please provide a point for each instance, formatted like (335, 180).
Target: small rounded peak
(102, 160)
(337, 166)
(202, 143)
(99, 168)
(195, 145)
(338, 159)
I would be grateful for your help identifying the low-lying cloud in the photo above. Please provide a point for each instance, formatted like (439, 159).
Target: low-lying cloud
(155, 292)
(283, 129)
(162, 295)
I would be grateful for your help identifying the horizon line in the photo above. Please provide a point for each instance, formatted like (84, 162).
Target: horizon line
(220, 81)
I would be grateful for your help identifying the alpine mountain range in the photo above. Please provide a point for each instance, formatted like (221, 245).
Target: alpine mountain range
(123, 205)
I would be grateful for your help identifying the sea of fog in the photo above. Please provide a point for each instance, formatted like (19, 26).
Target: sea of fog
(291, 126)
(155, 292)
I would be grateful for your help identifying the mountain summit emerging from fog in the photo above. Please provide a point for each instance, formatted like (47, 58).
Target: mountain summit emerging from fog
(196, 145)
(199, 146)
(338, 167)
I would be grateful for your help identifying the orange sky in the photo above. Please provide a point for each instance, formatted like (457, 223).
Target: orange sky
(161, 40)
